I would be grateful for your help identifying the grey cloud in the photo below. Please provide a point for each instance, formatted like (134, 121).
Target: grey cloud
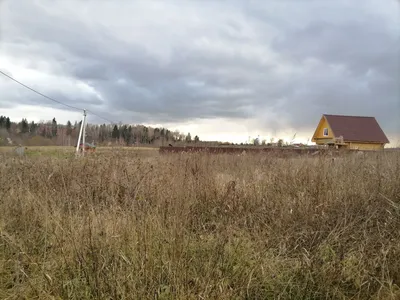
(227, 61)
(360, 46)
(369, 54)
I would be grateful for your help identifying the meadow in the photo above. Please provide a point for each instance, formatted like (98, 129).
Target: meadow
(139, 225)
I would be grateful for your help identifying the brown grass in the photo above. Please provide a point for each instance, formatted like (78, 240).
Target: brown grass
(128, 226)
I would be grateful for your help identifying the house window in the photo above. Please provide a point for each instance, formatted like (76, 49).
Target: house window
(325, 131)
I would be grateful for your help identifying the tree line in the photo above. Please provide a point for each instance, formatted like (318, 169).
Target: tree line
(53, 133)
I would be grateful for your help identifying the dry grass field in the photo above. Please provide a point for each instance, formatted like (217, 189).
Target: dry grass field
(137, 225)
(66, 152)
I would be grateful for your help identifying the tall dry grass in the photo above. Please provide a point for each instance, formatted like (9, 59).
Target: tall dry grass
(200, 227)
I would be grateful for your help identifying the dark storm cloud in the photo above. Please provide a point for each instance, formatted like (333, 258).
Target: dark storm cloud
(369, 57)
(359, 45)
(290, 61)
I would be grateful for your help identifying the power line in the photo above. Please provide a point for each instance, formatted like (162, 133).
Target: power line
(39, 93)
(94, 114)
(54, 100)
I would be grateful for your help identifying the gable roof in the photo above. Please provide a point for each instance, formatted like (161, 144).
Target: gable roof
(356, 128)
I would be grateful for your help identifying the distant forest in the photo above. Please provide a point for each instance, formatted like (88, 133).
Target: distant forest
(29, 133)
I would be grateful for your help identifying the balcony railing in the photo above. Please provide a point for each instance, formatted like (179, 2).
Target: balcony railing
(339, 140)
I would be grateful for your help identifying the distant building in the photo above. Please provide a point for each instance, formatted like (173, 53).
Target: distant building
(352, 132)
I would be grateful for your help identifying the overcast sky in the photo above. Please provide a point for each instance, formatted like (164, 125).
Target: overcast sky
(219, 69)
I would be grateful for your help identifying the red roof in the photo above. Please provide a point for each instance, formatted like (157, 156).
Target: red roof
(357, 129)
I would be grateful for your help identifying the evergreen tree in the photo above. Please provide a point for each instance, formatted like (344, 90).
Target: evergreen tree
(33, 128)
(124, 133)
(24, 126)
(69, 132)
(2, 121)
(8, 124)
(115, 132)
(54, 128)
(145, 135)
(129, 136)
(196, 139)
(69, 128)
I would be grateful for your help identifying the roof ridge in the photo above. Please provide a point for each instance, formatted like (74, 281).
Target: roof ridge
(351, 116)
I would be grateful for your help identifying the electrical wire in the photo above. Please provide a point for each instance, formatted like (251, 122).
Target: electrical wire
(39, 93)
(94, 114)
(54, 100)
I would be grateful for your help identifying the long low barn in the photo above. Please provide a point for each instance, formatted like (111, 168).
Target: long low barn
(242, 150)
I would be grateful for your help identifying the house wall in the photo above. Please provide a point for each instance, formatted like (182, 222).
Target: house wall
(366, 146)
(319, 137)
(323, 141)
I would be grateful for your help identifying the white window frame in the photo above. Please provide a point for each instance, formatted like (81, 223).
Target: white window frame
(327, 132)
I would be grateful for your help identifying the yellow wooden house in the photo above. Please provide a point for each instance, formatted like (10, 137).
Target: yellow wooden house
(351, 132)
